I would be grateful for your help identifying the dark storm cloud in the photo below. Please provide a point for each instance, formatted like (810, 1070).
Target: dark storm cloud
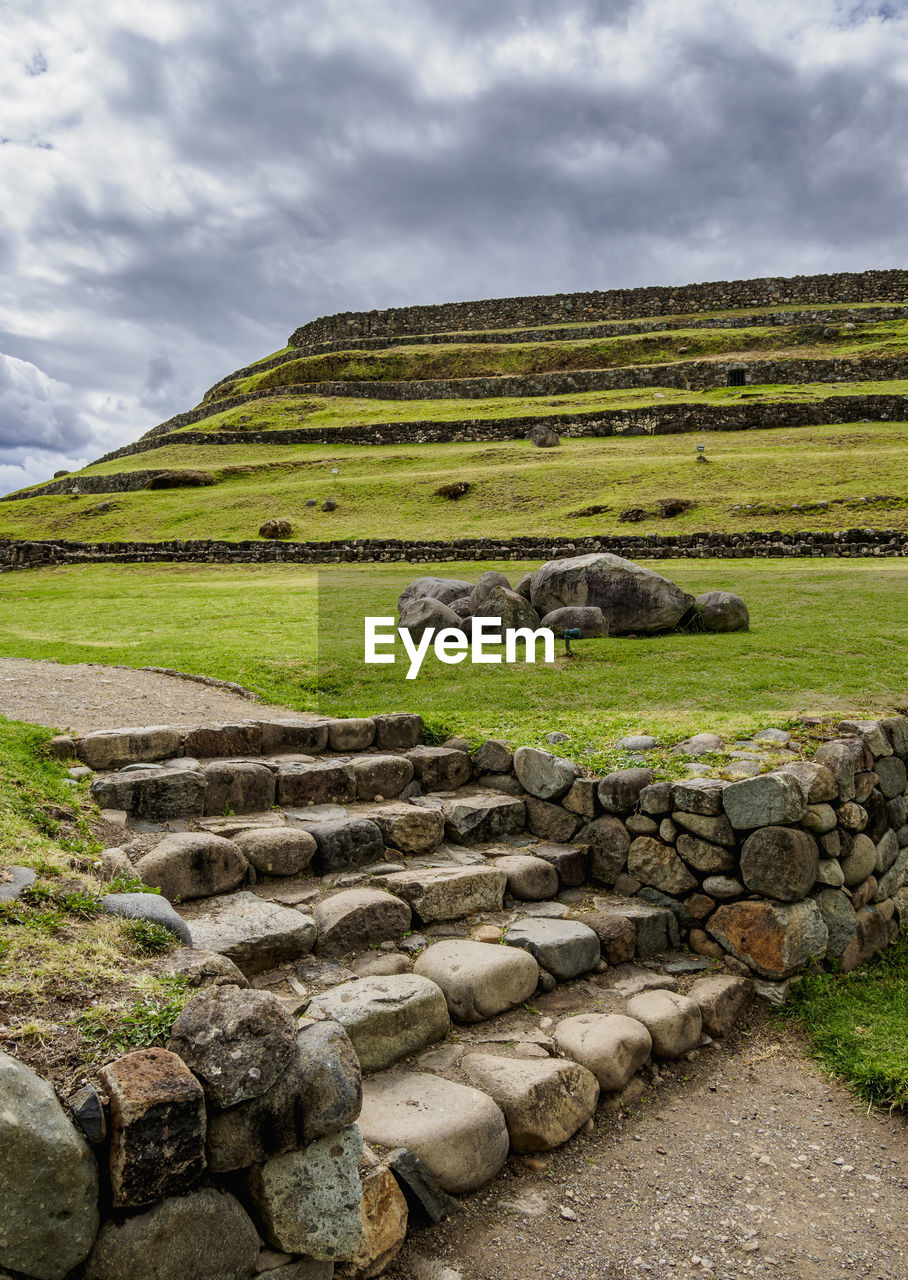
(265, 163)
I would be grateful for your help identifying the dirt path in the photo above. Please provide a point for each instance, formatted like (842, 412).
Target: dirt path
(755, 1165)
(84, 696)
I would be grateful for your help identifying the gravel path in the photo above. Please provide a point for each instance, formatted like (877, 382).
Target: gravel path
(744, 1163)
(82, 697)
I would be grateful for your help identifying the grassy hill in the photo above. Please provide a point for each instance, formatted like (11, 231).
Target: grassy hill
(248, 434)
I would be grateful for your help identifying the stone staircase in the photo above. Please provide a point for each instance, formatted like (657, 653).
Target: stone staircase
(364, 878)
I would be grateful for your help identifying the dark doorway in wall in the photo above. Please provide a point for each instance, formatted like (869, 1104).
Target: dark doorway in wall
(737, 377)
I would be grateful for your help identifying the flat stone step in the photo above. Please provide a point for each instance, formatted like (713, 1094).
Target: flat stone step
(256, 935)
(447, 894)
(479, 979)
(386, 1018)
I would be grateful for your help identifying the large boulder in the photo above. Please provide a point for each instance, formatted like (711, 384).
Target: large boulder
(478, 979)
(445, 590)
(674, 1021)
(544, 1102)
(440, 768)
(485, 586)
(457, 1132)
(764, 800)
(150, 907)
(632, 598)
(612, 1046)
(427, 615)
(309, 1200)
(48, 1179)
(206, 1235)
(237, 1042)
(386, 1018)
(193, 864)
(722, 611)
(509, 607)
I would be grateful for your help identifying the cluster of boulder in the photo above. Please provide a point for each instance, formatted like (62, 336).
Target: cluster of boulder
(597, 594)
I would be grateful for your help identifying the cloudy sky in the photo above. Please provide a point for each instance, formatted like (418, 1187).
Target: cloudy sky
(182, 182)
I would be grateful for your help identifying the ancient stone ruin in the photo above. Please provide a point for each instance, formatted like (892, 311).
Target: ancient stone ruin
(367, 919)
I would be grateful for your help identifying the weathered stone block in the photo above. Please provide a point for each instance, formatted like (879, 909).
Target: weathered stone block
(765, 800)
(353, 919)
(544, 1102)
(473, 819)
(440, 768)
(325, 782)
(608, 844)
(113, 748)
(611, 1046)
(223, 740)
(252, 932)
(444, 893)
(479, 980)
(550, 821)
(386, 1018)
(775, 940)
(781, 862)
(238, 785)
(345, 843)
(193, 864)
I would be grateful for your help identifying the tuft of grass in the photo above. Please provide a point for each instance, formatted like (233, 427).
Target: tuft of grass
(147, 1021)
(858, 1025)
(146, 938)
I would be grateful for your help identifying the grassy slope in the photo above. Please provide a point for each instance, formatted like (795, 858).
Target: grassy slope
(458, 359)
(75, 984)
(258, 626)
(517, 489)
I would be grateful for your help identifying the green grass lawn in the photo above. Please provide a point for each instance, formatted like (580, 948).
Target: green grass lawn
(858, 1025)
(827, 637)
(515, 489)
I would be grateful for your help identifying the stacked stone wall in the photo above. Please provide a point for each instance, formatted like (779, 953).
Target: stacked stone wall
(614, 304)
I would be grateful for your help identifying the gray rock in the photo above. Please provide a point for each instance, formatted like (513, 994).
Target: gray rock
(440, 768)
(871, 733)
(494, 756)
(612, 1046)
(781, 862)
(566, 948)
(425, 1198)
(323, 782)
(386, 1018)
(236, 1041)
(353, 919)
(590, 622)
(721, 1000)
(319, 1093)
(343, 843)
(446, 590)
(569, 861)
(113, 748)
(513, 610)
(817, 780)
(620, 792)
(764, 801)
(309, 1201)
(657, 799)
(48, 1179)
(152, 907)
(657, 864)
(714, 828)
(544, 1102)
(529, 879)
(161, 796)
(707, 858)
(632, 598)
(278, 851)
(551, 821)
(542, 774)
(479, 979)
(609, 844)
(616, 933)
(252, 932)
(486, 585)
(887, 851)
(410, 828)
(206, 1235)
(840, 918)
(427, 615)
(819, 818)
(193, 864)
(699, 744)
(830, 872)
(398, 730)
(447, 893)
(240, 785)
(892, 775)
(351, 734)
(698, 795)
(457, 1132)
(842, 758)
(19, 878)
(205, 969)
(722, 887)
(722, 611)
(656, 928)
(674, 1021)
(859, 861)
(473, 819)
(896, 730)
(637, 742)
(895, 878)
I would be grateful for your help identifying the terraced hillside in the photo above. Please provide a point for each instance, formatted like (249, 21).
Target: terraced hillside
(428, 434)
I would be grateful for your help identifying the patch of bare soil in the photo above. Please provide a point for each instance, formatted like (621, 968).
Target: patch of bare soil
(81, 697)
(745, 1162)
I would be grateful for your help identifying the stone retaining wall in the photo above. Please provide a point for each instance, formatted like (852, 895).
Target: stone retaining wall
(844, 315)
(614, 304)
(847, 543)
(667, 419)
